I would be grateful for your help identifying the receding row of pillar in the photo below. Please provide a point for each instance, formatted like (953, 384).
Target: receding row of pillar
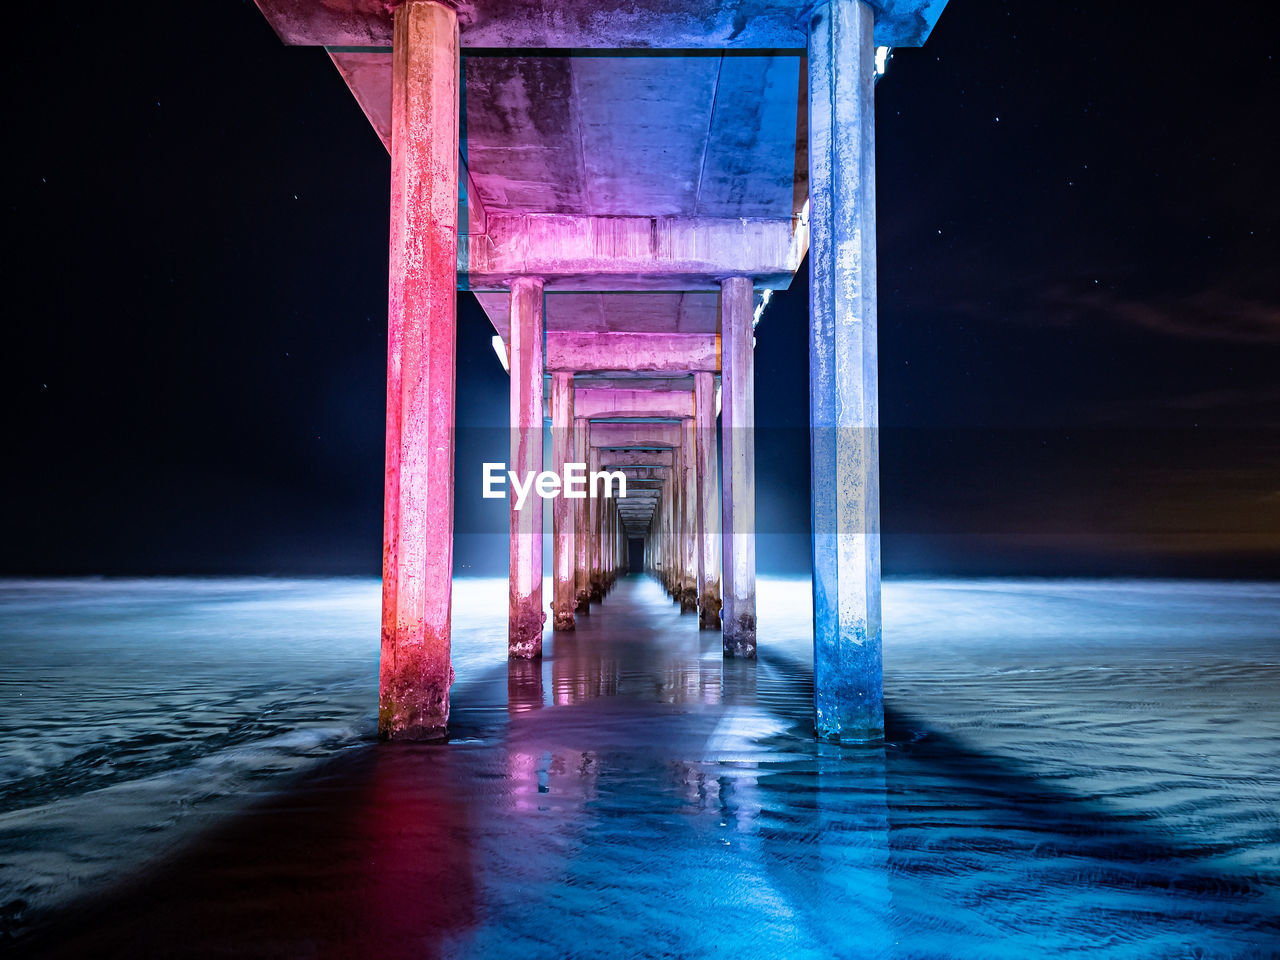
(681, 544)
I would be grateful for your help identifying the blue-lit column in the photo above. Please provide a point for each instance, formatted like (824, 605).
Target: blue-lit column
(847, 674)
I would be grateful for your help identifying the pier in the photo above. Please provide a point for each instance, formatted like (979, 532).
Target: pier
(622, 187)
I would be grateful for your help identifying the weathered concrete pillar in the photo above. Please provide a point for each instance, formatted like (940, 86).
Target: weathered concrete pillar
(604, 545)
(677, 523)
(614, 523)
(672, 503)
(581, 523)
(415, 672)
(611, 541)
(660, 534)
(848, 685)
(595, 530)
(664, 504)
(564, 592)
(670, 550)
(664, 497)
(738, 476)
(524, 634)
(651, 545)
(688, 518)
(708, 478)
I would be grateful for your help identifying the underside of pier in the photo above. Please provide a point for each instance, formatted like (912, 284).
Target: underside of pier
(621, 187)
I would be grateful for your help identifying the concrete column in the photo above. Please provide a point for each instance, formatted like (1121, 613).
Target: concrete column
(595, 530)
(738, 475)
(564, 593)
(660, 535)
(611, 540)
(688, 518)
(581, 523)
(415, 672)
(669, 571)
(524, 634)
(670, 551)
(661, 540)
(708, 478)
(848, 685)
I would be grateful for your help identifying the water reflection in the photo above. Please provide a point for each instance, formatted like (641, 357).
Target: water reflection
(524, 686)
(582, 668)
(635, 793)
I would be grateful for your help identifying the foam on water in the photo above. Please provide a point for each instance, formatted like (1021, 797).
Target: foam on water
(1071, 766)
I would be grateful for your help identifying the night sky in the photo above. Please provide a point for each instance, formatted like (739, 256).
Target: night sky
(1079, 303)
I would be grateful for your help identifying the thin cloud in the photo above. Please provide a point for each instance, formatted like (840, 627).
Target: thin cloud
(1207, 315)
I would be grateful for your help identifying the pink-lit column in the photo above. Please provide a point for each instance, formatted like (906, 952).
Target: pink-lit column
(607, 552)
(738, 475)
(415, 672)
(673, 514)
(582, 529)
(673, 526)
(524, 634)
(688, 518)
(595, 531)
(708, 471)
(564, 592)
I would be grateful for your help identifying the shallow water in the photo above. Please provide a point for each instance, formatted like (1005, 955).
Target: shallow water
(1071, 767)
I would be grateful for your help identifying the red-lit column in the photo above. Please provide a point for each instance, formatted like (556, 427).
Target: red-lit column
(524, 634)
(417, 549)
(564, 594)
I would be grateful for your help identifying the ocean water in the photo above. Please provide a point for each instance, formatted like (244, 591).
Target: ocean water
(1071, 768)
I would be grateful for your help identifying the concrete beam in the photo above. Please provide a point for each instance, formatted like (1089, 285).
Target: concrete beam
(589, 381)
(637, 352)
(585, 253)
(368, 75)
(663, 404)
(676, 24)
(615, 459)
(622, 435)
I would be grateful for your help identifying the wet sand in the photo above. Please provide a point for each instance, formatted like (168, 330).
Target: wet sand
(634, 795)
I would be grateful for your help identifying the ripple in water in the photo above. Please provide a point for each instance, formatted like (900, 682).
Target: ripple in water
(1071, 767)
